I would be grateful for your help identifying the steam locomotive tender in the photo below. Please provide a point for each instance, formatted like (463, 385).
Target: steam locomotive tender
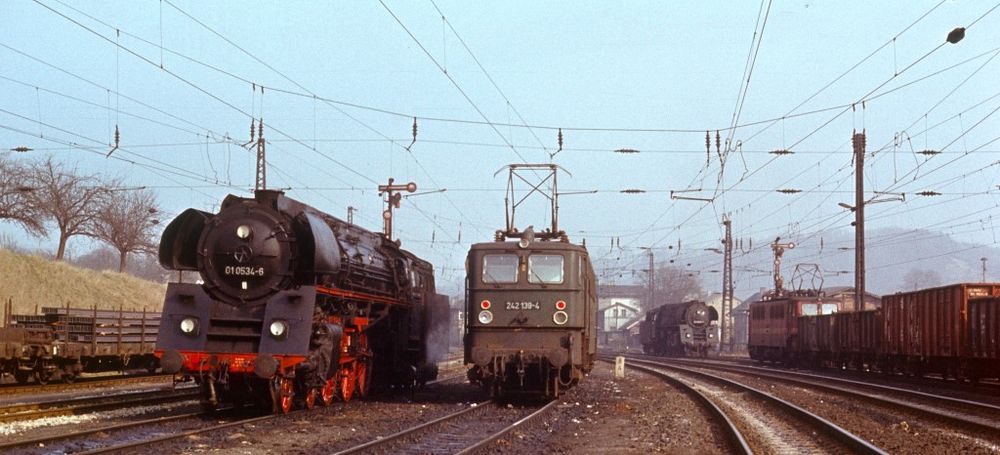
(680, 329)
(296, 306)
(532, 306)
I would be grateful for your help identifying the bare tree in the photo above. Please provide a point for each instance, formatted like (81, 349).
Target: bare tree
(15, 205)
(68, 199)
(674, 285)
(126, 222)
(921, 278)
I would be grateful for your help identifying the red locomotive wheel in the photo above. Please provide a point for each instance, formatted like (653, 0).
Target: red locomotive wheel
(328, 391)
(311, 398)
(282, 393)
(364, 382)
(348, 380)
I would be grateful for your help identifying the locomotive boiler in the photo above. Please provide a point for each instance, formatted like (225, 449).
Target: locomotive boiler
(295, 305)
(679, 329)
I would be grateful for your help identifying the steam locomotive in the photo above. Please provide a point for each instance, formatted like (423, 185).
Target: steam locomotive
(296, 306)
(679, 329)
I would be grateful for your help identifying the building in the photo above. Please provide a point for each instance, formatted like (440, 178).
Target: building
(618, 307)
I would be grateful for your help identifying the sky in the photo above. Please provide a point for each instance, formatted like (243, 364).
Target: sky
(338, 85)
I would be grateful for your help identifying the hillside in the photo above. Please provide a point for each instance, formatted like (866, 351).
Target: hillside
(34, 281)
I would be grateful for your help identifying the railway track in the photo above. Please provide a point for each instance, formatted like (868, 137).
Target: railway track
(81, 405)
(140, 439)
(460, 432)
(756, 421)
(961, 413)
(83, 383)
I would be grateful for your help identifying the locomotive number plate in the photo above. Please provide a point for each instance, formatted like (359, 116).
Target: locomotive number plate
(524, 306)
(244, 271)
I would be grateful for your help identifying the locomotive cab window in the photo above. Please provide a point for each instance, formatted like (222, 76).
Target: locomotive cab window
(500, 268)
(809, 309)
(545, 268)
(829, 308)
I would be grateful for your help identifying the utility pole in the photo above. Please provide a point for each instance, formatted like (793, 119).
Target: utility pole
(984, 267)
(350, 214)
(261, 183)
(727, 285)
(652, 274)
(858, 141)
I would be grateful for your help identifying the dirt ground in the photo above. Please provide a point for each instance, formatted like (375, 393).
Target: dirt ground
(604, 415)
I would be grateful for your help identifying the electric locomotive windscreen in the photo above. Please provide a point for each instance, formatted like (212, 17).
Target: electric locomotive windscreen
(500, 268)
(545, 268)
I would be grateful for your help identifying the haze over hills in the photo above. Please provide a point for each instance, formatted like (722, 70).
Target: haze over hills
(897, 259)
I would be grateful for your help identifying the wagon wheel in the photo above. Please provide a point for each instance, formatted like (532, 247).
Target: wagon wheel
(21, 376)
(311, 398)
(328, 391)
(42, 377)
(348, 382)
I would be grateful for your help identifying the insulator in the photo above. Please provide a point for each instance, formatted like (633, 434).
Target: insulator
(260, 128)
(718, 141)
(118, 136)
(414, 128)
(251, 129)
(560, 138)
(708, 142)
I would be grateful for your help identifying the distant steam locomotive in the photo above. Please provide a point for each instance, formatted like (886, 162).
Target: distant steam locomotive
(680, 329)
(295, 305)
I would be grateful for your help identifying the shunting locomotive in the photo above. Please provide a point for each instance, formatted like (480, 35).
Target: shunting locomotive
(296, 305)
(531, 301)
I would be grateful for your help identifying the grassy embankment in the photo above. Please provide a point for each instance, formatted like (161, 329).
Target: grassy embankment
(35, 282)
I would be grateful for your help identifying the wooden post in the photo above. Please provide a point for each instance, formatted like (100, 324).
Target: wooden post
(93, 333)
(121, 308)
(66, 324)
(142, 332)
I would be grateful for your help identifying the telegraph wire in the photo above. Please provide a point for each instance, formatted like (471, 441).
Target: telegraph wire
(453, 82)
(489, 77)
(203, 91)
(331, 103)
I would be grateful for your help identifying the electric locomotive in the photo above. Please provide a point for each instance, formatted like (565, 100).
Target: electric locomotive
(295, 306)
(531, 303)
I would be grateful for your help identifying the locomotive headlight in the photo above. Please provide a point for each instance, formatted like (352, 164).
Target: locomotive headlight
(560, 317)
(243, 231)
(189, 325)
(485, 317)
(278, 329)
(687, 335)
